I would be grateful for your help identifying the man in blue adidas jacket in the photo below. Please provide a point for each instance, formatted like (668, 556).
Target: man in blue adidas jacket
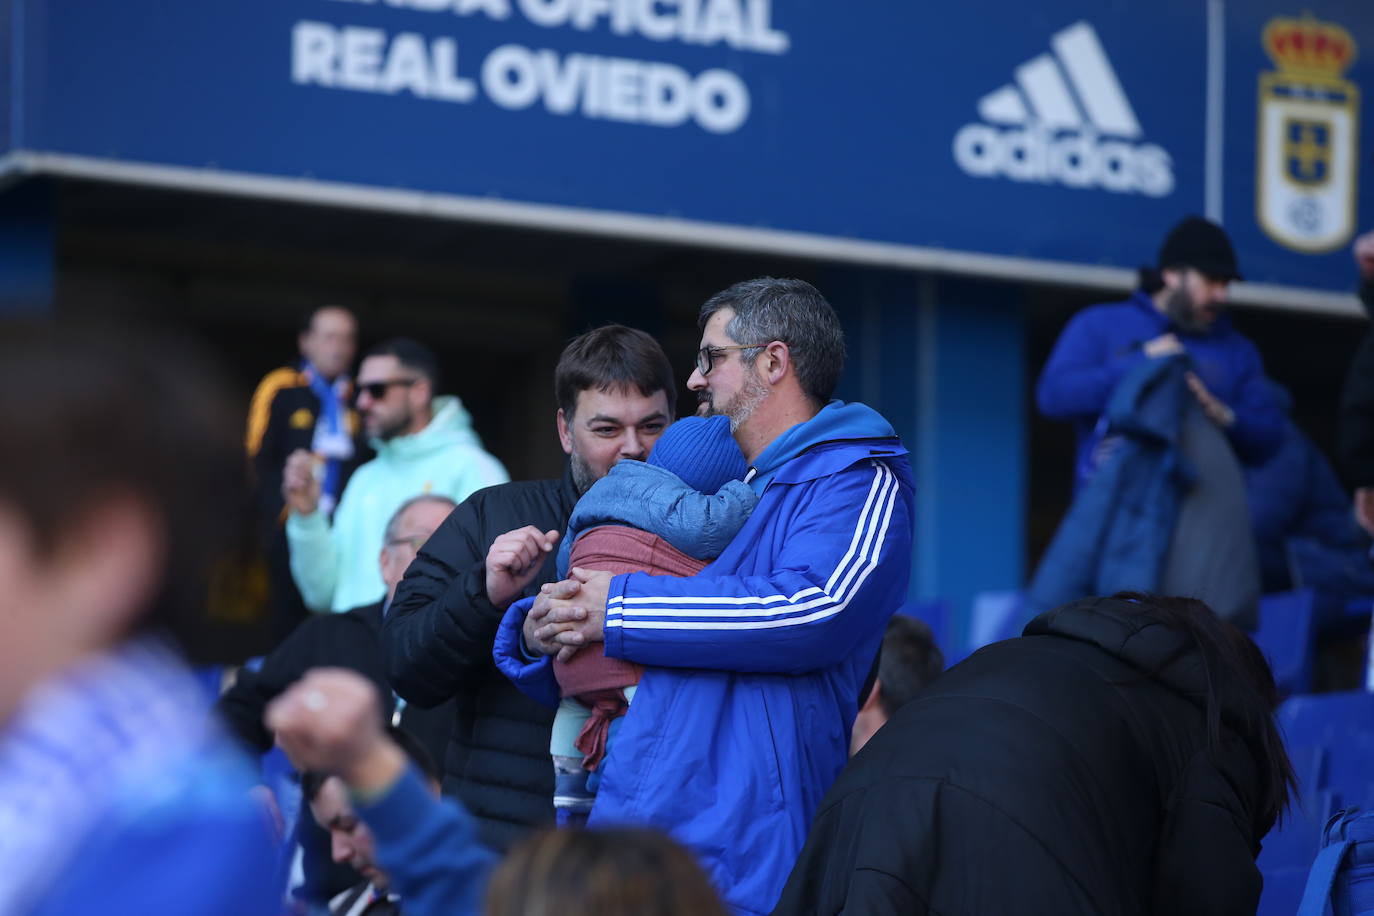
(1179, 308)
(742, 720)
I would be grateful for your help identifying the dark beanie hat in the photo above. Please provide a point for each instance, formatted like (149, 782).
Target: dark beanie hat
(1202, 245)
(701, 451)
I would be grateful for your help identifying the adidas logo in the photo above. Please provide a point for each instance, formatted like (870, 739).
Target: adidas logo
(1066, 120)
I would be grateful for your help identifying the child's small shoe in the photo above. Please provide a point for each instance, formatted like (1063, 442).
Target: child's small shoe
(570, 791)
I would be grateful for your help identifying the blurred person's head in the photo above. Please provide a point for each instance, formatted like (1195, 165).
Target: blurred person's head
(1196, 265)
(330, 340)
(350, 841)
(909, 660)
(410, 526)
(616, 395)
(613, 872)
(397, 380)
(771, 354)
(121, 488)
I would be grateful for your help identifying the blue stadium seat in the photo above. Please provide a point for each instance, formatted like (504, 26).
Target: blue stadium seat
(994, 616)
(1285, 635)
(1326, 718)
(1330, 740)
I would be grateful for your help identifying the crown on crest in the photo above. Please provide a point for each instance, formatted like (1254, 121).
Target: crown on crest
(1308, 45)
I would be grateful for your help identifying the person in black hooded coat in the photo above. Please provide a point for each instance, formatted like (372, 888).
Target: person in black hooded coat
(1121, 757)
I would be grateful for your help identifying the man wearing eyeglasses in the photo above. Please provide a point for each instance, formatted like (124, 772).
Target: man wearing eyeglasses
(424, 444)
(755, 667)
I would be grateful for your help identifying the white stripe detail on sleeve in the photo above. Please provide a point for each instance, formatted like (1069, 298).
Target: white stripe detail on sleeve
(865, 547)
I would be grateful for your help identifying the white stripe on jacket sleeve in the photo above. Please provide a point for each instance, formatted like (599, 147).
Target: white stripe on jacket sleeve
(725, 612)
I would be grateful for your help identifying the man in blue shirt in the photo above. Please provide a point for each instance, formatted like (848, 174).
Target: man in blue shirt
(1180, 307)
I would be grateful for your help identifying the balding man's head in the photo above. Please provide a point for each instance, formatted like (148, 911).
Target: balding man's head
(410, 526)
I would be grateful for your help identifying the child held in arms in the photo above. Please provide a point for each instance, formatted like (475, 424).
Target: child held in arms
(669, 515)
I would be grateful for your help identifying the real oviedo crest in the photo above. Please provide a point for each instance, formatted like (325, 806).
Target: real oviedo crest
(1308, 136)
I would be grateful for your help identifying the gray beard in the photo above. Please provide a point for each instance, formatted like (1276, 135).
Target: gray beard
(754, 393)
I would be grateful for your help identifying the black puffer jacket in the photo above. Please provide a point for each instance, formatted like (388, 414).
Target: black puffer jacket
(1064, 772)
(438, 637)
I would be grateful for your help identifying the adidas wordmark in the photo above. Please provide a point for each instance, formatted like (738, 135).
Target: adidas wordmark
(1066, 120)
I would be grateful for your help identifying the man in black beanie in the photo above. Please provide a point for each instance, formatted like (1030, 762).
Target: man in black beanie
(1201, 543)
(1179, 307)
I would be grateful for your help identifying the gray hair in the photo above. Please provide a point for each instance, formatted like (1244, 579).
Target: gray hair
(791, 311)
(395, 522)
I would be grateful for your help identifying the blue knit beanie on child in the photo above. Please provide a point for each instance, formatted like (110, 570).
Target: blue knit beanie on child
(701, 451)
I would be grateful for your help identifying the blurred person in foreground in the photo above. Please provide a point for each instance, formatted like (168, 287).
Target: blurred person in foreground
(614, 872)
(351, 842)
(425, 443)
(330, 723)
(303, 406)
(118, 492)
(908, 660)
(349, 640)
(1120, 757)
(615, 394)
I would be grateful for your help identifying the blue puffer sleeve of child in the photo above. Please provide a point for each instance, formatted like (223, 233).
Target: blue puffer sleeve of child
(655, 500)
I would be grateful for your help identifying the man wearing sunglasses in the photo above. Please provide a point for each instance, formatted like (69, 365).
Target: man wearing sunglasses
(755, 667)
(424, 444)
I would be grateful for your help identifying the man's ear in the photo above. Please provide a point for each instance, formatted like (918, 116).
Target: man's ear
(422, 392)
(564, 434)
(1172, 276)
(874, 697)
(775, 359)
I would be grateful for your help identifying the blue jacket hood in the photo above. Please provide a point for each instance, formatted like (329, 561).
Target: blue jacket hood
(836, 421)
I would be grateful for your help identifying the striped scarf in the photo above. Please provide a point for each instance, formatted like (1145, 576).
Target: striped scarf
(127, 719)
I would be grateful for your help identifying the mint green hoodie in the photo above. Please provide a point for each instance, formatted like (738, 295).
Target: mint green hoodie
(338, 567)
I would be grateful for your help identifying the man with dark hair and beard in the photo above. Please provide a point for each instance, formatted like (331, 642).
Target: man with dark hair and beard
(616, 394)
(1179, 308)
